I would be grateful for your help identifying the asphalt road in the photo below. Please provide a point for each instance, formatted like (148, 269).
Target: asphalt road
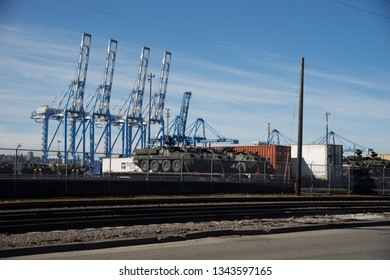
(368, 243)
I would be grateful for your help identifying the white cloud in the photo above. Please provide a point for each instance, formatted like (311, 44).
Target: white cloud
(237, 100)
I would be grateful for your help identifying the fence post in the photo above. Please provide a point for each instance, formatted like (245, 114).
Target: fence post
(383, 178)
(66, 172)
(16, 167)
(329, 176)
(311, 178)
(239, 172)
(349, 180)
(211, 169)
(109, 176)
(181, 168)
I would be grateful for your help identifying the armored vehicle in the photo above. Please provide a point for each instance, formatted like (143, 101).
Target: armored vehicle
(366, 166)
(197, 160)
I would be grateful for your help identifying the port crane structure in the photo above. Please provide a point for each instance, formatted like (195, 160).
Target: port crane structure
(69, 113)
(100, 113)
(158, 101)
(76, 118)
(74, 113)
(129, 117)
(195, 133)
(348, 145)
(180, 122)
(274, 138)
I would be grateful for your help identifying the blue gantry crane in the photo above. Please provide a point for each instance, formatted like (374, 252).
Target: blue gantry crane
(130, 117)
(197, 133)
(348, 145)
(69, 111)
(180, 122)
(274, 138)
(74, 113)
(158, 101)
(100, 113)
(76, 117)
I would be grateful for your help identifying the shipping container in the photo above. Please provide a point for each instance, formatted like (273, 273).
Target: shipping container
(318, 161)
(279, 156)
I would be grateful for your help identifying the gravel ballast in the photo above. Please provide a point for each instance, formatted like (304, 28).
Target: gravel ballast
(162, 231)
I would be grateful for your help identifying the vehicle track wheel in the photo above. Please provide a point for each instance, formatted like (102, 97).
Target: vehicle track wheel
(155, 166)
(166, 165)
(176, 165)
(241, 167)
(144, 165)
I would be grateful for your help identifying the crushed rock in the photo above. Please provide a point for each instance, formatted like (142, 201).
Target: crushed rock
(161, 231)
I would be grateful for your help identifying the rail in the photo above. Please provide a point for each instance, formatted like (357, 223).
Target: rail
(70, 216)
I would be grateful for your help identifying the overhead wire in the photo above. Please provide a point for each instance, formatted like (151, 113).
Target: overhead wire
(223, 44)
(233, 47)
(361, 9)
(184, 34)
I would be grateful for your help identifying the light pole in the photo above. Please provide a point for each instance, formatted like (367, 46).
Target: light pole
(16, 158)
(168, 115)
(150, 78)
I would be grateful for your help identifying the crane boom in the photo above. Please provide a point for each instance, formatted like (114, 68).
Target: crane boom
(137, 96)
(180, 122)
(159, 96)
(184, 113)
(198, 130)
(73, 109)
(107, 79)
(81, 74)
(101, 109)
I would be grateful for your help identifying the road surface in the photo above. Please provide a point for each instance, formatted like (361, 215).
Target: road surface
(365, 243)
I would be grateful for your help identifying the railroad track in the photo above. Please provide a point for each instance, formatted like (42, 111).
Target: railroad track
(70, 215)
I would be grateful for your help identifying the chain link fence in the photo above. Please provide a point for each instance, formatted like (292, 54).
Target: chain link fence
(19, 163)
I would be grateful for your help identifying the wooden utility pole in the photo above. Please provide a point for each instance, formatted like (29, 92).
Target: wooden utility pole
(300, 133)
(327, 144)
(150, 78)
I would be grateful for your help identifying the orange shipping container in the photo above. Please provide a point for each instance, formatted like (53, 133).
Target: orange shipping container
(278, 155)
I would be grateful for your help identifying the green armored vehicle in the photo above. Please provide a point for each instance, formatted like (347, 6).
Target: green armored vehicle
(197, 160)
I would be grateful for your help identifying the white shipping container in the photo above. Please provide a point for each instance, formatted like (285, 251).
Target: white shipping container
(119, 165)
(317, 162)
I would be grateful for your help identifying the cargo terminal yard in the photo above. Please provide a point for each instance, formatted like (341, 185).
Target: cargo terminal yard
(218, 138)
(132, 177)
(134, 150)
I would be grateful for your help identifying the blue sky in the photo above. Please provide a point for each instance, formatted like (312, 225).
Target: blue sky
(240, 60)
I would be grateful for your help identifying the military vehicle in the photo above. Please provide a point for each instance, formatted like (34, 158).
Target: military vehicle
(366, 166)
(197, 160)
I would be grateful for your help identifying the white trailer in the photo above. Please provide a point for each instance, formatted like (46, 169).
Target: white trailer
(119, 166)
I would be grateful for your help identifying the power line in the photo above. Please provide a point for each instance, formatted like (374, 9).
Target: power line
(362, 10)
(191, 36)
(217, 43)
